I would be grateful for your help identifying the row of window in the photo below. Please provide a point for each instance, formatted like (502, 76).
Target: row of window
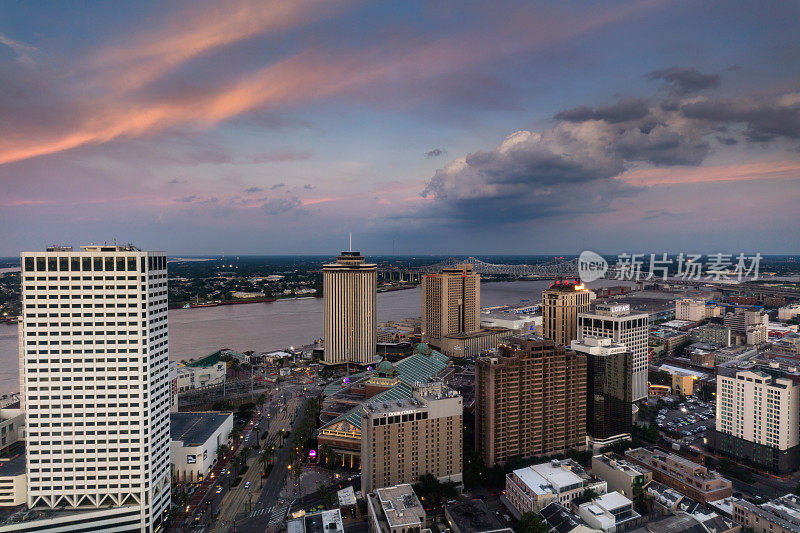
(94, 264)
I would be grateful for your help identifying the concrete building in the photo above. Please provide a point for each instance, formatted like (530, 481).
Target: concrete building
(516, 321)
(94, 354)
(669, 338)
(530, 399)
(349, 288)
(195, 438)
(781, 515)
(711, 333)
(683, 383)
(473, 343)
(403, 440)
(608, 512)
(691, 309)
(191, 377)
(683, 475)
(13, 481)
(788, 312)
(12, 427)
(395, 510)
(609, 409)
(473, 517)
(615, 322)
(740, 318)
(756, 334)
(758, 415)
(561, 304)
(320, 522)
(621, 475)
(734, 353)
(532, 488)
(451, 303)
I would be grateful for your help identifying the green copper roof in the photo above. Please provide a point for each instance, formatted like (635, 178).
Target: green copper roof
(413, 369)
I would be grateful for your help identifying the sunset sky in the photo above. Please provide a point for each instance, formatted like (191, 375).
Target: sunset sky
(257, 127)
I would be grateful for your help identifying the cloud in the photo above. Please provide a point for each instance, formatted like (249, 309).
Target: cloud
(764, 120)
(682, 81)
(23, 51)
(623, 111)
(436, 152)
(251, 190)
(277, 186)
(176, 181)
(187, 199)
(652, 214)
(727, 141)
(308, 186)
(280, 156)
(277, 206)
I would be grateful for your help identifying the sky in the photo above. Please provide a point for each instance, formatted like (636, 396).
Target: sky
(443, 128)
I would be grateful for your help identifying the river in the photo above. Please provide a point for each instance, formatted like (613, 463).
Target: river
(275, 325)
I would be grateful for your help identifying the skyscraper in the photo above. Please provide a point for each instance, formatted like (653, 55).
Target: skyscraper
(95, 373)
(609, 408)
(451, 303)
(561, 304)
(349, 292)
(615, 322)
(530, 399)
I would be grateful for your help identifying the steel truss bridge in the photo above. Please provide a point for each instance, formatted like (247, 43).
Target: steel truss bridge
(558, 267)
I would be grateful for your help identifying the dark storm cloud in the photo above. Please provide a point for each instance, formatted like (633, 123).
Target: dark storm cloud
(764, 121)
(682, 81)
(436, 152)
(277, 186)
(308, 186)
(623, 111)
(251, 190)
(727, 141)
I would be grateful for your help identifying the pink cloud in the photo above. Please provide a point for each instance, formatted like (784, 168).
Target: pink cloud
(713, 173)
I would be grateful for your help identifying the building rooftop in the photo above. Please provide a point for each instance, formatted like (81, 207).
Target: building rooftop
(475, 517)
(319, 522)
(13, 466)
(552, 477)
(194, 429)
(784, 511)
(346, 496)
(400, 505)
(612, 500)
(619, 463)
(560, 519)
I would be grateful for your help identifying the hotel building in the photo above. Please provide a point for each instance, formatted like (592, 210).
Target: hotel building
(451, 303)
(561, 304)
(615, 322)
(530, 399)
(349, 289)
(94, 368)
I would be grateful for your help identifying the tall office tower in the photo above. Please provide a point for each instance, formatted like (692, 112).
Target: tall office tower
(758, 414)
(96, 374)
(451, 303)
(615, 322)
(349, 290)
(561, 304)
(609, 408)
(530, 399)
(402, 440)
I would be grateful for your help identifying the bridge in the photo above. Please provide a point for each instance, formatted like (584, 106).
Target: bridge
(557, 267)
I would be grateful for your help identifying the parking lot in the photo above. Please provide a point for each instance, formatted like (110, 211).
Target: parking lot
(688, 420)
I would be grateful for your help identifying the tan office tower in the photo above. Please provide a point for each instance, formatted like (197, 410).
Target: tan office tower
(561, 304)
(402, 440)
(530, 399)
(451, 303)
(349, 288)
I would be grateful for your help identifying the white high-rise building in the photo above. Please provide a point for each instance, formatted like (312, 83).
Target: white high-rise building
(758, 414)
(95, 374)
(615, 322)
(690, 309)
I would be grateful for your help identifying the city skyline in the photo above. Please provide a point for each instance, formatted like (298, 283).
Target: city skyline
(276, 128)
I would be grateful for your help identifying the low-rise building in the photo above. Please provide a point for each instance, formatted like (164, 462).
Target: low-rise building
(473, 517)
(788, 312)
(659, 390)
(320, 522)
(608, 512)
(691, 309)
(532, 488)
(621, 475)
(671, 339)
(557, 518)
(734, 353)
(12, 423)
(685, 476)
(683, 384)
(515, 321)
(195, 439)
(13, 480)
(781, 515)
(198, 377)
(395, 510)
(756, 334)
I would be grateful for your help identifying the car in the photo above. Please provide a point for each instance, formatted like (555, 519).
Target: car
(219, 489)
(247, 485)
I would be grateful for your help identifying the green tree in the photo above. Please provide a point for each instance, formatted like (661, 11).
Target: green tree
(531, 523)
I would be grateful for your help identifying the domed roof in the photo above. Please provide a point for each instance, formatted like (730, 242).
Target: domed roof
(386, 368)
(423, 348)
